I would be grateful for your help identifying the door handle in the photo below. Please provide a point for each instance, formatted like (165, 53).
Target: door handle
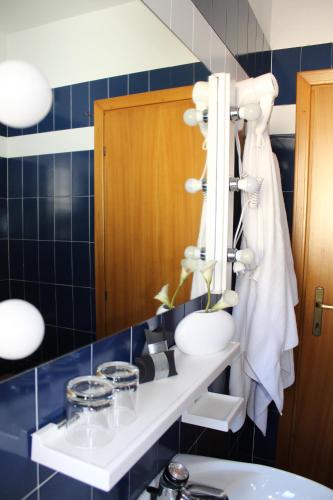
(318, 310)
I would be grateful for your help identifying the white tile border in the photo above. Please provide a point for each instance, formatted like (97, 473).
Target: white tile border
(62, 141)
(3, 147)
(283, 119)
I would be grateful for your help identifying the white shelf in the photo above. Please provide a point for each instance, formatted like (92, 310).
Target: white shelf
(215, 411)
(160, 403)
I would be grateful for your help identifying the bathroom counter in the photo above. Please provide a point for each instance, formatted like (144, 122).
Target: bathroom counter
(160, 403)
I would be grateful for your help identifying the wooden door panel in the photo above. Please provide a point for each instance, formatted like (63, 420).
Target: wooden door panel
(149, 219)
(307, 427)
(313, 448)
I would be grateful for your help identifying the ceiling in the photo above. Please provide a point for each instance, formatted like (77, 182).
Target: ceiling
(18, 15)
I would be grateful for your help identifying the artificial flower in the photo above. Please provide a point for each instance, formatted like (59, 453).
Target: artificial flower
(163, 296)
(229, 299)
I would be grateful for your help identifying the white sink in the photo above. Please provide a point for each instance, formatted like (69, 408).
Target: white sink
(245, 481)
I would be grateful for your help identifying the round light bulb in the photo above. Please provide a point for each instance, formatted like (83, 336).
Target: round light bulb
(192, 252)
(248, 184)
(21, 329)
(193, 185)
(25, 95)
(193, 117)
(246, 256)
(190, 117)
(238, 267)
(230, 297)
(250, 112)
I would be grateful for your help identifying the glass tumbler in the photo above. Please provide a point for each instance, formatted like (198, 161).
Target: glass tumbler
(125, 379)
(89, 403)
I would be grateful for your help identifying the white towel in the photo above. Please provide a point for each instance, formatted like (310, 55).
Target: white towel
(264, 317)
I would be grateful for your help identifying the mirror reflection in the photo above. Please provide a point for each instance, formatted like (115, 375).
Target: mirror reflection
(92, 51)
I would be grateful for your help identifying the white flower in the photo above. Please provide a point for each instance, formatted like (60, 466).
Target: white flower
(163, 296)
(207, 268)
(189, 265)
(229, 299)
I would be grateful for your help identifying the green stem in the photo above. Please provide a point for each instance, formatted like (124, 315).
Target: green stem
(208, 297)
(179, 287)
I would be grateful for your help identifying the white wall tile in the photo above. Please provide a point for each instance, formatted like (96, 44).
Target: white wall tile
(230, 67)
(217, 55)
(283, 119)
(62, 141)
(162, 8)
(182, 21)
(240, 72)
(3, 147)
(201, 40)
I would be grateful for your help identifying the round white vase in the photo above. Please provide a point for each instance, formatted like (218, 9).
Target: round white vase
(204, 333)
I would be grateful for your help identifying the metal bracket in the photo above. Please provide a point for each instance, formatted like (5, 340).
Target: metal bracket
(318, 311)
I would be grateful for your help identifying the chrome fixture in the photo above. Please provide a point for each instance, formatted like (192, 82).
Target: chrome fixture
(318, 311)
(248, 184)
(195, 185)
(249, 112)
(245, 256)
(173, 486)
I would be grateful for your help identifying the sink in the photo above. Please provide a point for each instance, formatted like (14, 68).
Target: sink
(245, 481)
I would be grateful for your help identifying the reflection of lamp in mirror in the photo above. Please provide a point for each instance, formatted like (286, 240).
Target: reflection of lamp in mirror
(193, 117)
(21, 329)
(25, 96)
(196, 253)
(195, 185)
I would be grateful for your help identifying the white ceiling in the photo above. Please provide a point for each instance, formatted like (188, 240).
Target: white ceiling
(18, 15)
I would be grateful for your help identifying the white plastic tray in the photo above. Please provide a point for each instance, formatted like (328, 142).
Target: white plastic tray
(160, 403)
(214, 411)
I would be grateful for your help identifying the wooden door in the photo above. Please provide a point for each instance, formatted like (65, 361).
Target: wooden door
(144, 219)
(306, 430)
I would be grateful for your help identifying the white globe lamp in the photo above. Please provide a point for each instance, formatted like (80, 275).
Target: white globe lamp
(25, 95)
(22, 329)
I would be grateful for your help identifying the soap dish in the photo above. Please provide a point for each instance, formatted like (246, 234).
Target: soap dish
(214, 411)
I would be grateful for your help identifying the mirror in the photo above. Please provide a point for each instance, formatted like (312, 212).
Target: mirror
(88, 51)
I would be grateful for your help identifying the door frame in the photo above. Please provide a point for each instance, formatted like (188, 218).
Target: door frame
(100, 108)
(305, 81)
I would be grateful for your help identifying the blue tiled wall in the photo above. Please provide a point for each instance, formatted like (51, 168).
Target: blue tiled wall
(73, 105)
(4, 274)
(287, 62)
(284, 148)
(46, 217)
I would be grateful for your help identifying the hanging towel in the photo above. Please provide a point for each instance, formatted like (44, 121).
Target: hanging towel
(264, 317)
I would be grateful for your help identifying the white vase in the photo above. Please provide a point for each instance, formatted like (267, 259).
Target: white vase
(204, 333)
(162, 309)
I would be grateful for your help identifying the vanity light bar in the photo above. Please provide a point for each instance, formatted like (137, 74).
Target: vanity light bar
(220, 167)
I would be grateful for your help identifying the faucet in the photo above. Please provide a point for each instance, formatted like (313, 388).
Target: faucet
(174, 485)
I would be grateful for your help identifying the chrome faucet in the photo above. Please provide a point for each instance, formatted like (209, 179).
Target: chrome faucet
(174, 486)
